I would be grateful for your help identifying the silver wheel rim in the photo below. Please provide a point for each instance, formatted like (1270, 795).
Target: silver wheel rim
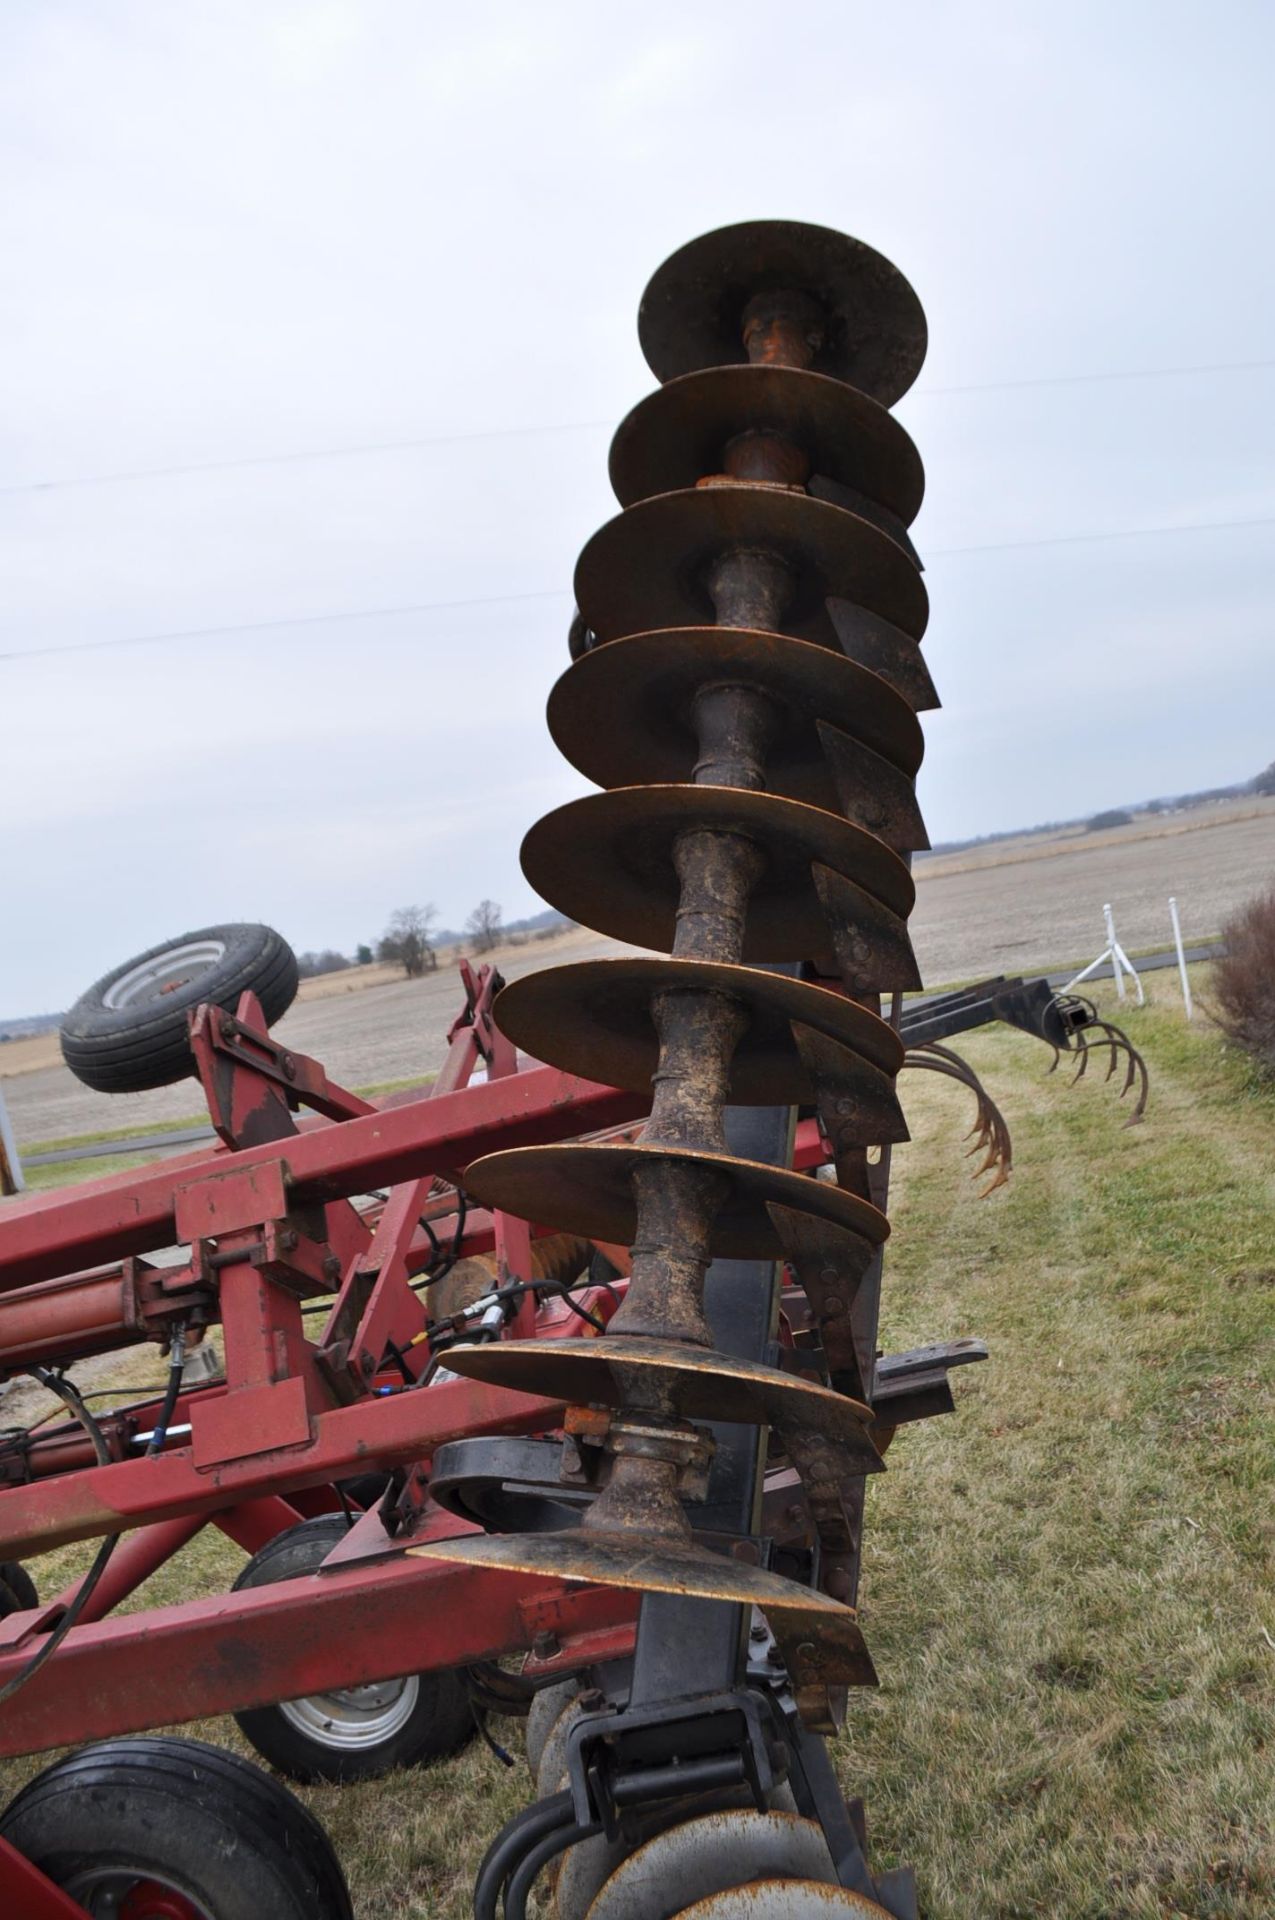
(354, 1719)
(164, 973)
(101, 1891)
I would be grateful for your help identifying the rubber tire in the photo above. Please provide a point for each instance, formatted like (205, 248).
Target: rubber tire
(128, 1049)
(441, 1723)
(18, 1590)
(229, 1837)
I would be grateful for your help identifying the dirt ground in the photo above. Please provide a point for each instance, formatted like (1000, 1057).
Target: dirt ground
(1030, 904)
(1035, 904)
(386, 1028)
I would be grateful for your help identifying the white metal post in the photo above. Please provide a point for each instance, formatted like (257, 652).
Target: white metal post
(1113, 949)
(11, 1180)
(1177, 941)
(1119, 958)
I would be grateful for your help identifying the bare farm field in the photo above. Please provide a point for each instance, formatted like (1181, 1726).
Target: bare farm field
(1034, 903)
(1029, 904)
(369, 1027)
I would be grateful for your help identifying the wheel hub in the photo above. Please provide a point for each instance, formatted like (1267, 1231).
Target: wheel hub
(352, 1717)
(118, 1893)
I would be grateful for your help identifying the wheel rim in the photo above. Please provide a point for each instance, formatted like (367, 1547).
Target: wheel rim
(163, 973)
(121, 1893)
(352, 1719)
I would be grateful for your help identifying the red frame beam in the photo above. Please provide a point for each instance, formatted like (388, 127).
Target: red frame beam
(369, 1621)
(366, 1437)
(51, 1234)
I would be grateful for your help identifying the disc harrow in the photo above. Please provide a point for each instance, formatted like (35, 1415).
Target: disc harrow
(744, 688)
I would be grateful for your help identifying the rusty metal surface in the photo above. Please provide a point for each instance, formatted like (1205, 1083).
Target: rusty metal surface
(702, 1856)
(682, 432)
(588, 1189)
(827, 550)
(598, 1013)
(695, 1383)
(608, 861)
(778, 1899)
(643, 1562)
(872, 327)
(628, 711)
(885, 650)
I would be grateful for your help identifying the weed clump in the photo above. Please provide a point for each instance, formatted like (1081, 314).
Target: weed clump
(1243, 985)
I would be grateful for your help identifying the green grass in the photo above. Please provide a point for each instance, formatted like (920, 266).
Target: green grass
(1068, 1587)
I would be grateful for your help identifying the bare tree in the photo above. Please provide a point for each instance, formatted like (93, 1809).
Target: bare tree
(407, 941)
(483, 926)
(329, 961)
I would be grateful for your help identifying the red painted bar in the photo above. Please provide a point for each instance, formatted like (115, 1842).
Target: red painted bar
(54, 1233)
(25, 1894)
(132, 1563)
(372, 1621)
(372, 1434)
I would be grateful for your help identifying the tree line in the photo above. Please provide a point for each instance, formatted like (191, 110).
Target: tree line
(410, 941)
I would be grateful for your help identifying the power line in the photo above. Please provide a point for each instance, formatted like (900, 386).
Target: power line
(176, 634)
(292, 620)
(1092, 379)
(359, 449)
(1119, 533)
(303, 457)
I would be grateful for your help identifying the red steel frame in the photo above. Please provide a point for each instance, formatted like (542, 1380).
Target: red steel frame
(269, 1223)
(269, 1220)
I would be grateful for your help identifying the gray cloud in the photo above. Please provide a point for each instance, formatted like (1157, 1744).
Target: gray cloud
(261, 229)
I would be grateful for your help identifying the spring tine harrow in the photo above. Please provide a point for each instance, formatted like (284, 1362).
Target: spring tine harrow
(990, 1132)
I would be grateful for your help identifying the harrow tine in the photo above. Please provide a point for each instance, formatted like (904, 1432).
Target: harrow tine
(1135, 1071)
(993, 1140)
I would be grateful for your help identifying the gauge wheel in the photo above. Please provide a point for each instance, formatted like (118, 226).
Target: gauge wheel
(129, 1031)
(351, 1733)
(169, 1829)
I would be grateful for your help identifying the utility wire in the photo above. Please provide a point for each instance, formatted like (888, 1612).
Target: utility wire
(360, 448)
(177, 634)
(291, 620)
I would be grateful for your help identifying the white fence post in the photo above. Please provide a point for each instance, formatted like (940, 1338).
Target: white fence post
(1177, 941)
(1119, 959)
(11, 1180)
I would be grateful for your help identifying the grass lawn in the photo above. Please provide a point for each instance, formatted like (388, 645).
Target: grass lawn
(1068, 1587)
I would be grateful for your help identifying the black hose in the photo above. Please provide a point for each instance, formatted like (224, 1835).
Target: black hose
(524, 1830)
(528, 1871)
(70, 1396)
(176, 1359)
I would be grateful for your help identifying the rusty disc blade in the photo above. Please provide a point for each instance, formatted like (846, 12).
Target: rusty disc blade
(624, 713)
(654, 1563)
(594, 1018)
(649, 566)
(693, 308)
(884, 650)
(695, 1383)
(678, 434)
(607, 861)
(588, 1189)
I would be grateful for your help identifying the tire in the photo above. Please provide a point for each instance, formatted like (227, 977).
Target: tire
(128, 1032)
(195, 1829)
(17, 1588)
(353, 1733)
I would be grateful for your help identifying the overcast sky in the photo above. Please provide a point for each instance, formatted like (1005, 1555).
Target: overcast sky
(255, 242)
